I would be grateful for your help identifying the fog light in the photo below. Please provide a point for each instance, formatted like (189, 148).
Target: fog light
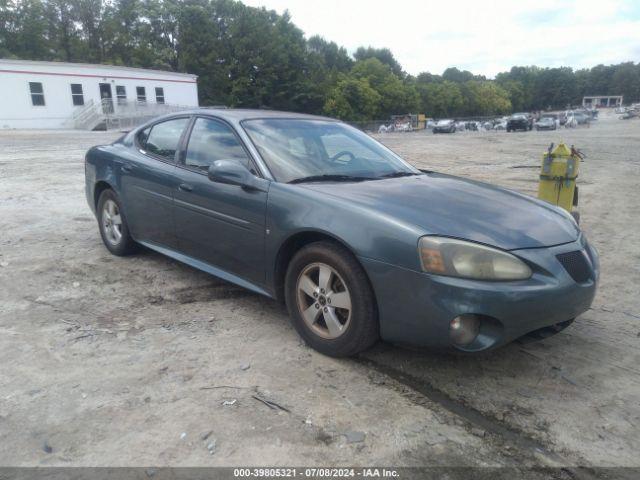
(464, 329)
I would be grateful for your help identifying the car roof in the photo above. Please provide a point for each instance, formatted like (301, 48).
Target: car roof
(241, 114)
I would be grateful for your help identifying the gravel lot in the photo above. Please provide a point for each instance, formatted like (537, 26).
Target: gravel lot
(144, 361)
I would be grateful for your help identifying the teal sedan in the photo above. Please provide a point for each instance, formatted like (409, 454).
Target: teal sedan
(358, 243)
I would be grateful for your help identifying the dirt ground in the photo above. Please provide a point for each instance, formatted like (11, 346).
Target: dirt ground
(108, 361)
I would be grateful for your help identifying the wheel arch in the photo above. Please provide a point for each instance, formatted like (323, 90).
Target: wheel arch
(98, 188)
(292, 245)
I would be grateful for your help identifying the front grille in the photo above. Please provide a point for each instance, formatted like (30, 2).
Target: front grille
(576, 265)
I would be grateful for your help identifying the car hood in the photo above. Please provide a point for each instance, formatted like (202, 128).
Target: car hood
(451, 206)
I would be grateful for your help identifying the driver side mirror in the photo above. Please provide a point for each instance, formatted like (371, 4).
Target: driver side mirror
(234, 173)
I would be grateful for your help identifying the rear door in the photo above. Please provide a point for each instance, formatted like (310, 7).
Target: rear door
(148, 180)
(223, 225)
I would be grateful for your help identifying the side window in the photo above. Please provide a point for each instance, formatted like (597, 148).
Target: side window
(211, 141)
(37, 94)
(77, 96)
(121, 93)
(159, 95)
(141, 94)
(163, 139)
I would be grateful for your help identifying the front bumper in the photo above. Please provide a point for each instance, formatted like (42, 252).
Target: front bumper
(416, 308)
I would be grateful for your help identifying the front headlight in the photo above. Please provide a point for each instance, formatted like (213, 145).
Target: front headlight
(457, 258)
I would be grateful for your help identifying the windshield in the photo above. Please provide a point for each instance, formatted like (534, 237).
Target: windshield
(317, 150)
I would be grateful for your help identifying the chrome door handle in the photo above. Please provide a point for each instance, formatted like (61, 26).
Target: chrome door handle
(185, 187)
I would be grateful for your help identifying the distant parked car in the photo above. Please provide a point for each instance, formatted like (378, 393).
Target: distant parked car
(581, 118)
(519, 122)
(629, 113)
(546, 123)
(472, 126)
(571, 121)
(445, 126)
(562, 117)
(528, 116)
(403, 127)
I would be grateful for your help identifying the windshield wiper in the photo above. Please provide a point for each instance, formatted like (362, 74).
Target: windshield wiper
(330, 178)
(399, 174)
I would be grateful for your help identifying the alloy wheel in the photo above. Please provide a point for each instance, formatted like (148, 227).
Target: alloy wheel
(112, 222)
(324, 300)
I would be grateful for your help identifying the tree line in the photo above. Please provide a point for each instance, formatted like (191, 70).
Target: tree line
(254, 57)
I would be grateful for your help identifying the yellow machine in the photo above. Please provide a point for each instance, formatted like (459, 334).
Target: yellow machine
(558, 177)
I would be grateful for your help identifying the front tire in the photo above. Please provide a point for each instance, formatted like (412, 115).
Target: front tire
(330, 300)
(113, 226)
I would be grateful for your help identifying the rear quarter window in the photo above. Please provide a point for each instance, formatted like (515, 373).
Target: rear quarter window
(162, 139)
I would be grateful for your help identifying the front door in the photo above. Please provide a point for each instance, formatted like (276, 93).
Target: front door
(148, 180)
(106, 98)
(220, 224)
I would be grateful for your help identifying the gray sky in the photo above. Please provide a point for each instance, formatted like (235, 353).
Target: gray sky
(483, 36)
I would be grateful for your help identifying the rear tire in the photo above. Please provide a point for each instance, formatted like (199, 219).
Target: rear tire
(113, 226)
(320, 277)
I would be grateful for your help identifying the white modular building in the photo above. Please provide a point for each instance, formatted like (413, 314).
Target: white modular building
(83, 96)
(594, 101)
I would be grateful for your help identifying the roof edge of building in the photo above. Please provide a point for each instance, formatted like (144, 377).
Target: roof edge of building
(16, 61)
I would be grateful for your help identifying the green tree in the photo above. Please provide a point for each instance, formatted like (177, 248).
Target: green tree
(454, 75)
(331, 56)
(352, 99)
(554, 88)
(396, 96)
(626, 81)
(7, 28)
(440, 99)
(31, 34)
(516, 93)
(384, 55)
(485, 98)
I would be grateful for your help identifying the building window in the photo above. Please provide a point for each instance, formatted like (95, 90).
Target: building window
(76, 94)
(159, 95)
(142, 94)
(37, 94)
(121, 94)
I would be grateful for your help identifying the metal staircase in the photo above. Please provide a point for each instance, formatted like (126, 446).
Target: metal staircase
(123, 115)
